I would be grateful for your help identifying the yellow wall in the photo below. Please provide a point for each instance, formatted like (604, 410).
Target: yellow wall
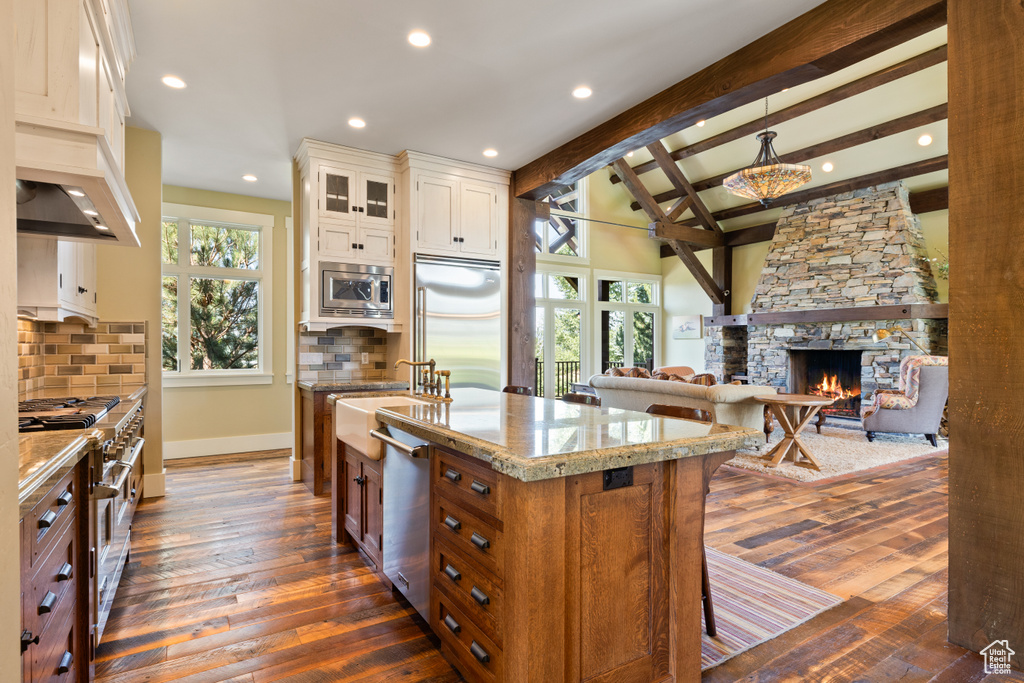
(613, 247)
(681, 295)
(128, 284)
(10, 600)
(935, 226)
(192, 413)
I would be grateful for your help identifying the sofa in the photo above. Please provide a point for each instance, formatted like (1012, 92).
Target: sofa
(726, 403)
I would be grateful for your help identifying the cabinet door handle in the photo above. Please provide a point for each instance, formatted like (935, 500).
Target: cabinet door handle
(482, 489)
(360, 480)
(360, 246)
(452, 474)
(452, 625)
(452, 573)
(47, 519)
(64, 573)
(28, 639)
(82, 290)
(355, 246)
(46, 606)
(452, 523)
(479, 541)
(479, 596)
(480, 653)
(65, 663)
(64, 498)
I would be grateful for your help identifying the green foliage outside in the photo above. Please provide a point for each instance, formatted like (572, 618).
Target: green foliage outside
(224, 313)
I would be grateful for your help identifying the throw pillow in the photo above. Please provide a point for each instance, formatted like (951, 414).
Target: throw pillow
(706, 379)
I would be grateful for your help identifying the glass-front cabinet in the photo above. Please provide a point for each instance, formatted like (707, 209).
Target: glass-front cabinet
(351, 196)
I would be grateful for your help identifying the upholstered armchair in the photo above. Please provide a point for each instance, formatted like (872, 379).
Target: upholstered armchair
(917, 407)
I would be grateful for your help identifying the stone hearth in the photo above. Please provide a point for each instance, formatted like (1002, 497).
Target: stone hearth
(858, 249)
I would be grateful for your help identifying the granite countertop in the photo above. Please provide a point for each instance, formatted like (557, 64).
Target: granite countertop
(45, 457)
(533, 438)
(356, 385)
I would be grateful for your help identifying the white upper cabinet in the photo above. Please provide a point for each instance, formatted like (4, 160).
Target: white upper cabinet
(459, 209)
(437, 222)
(57, 279)
(357, 197)
(478, 219)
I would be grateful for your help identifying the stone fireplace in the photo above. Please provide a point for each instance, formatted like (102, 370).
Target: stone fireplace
(832, 374)
(858, 250)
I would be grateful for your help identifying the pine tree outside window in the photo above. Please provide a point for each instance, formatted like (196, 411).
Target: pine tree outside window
(215, 309)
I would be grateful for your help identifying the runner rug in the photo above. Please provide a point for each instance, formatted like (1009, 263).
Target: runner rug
(753, 605)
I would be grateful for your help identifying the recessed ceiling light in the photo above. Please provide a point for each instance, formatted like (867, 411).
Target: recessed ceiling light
(924, 140)
(629, 154)
(490, 152)
(785, 90)
(700, 124)
(102, 227)
(76, 193)
(173, 82)
(249, 177)
(90, 212)
(357, 123)
(827, 167)
(582, 92)
(419, 39)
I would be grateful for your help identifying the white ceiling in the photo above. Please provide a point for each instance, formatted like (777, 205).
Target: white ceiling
(262, 74)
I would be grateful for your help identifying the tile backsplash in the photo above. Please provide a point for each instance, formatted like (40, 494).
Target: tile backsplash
(336, 355)
(79, 357)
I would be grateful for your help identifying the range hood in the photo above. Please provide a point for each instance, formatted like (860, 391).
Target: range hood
(70, 186)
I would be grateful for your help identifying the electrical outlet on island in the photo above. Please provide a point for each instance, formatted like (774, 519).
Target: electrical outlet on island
(364, 358)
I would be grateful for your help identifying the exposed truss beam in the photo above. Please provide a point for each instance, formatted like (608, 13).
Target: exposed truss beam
(830, 37)
(683, 186)
(887, 75)
(658, 216)
(929, 200)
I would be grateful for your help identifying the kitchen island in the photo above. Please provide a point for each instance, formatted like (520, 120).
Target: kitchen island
(565, 540)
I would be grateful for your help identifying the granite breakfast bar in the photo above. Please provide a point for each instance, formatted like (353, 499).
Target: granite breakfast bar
(565, 539)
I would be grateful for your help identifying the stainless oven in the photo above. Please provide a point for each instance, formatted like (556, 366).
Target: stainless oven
(349, 289)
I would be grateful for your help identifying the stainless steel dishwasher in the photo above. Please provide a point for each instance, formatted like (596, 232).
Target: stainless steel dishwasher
(406, 489)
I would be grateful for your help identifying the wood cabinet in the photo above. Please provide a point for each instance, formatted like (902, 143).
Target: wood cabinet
(55, 583)
(57, 279)
(578, 578)
(316, 424)
(458, 216)
(358, 497)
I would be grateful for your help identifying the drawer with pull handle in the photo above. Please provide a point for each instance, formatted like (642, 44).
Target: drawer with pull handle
(471, 588)
(53, 587)
(467, 481)
(51, 516)
(53, 658)
(470, 645)
(469, 534)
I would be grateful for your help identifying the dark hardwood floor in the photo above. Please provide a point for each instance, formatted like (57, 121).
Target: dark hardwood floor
(234, 577)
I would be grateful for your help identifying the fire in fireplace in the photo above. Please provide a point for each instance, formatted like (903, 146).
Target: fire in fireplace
(833, 374)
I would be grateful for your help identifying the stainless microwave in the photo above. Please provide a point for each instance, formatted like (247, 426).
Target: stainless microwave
(350, 289)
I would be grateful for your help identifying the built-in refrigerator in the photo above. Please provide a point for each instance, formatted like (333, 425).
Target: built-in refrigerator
(457, 319)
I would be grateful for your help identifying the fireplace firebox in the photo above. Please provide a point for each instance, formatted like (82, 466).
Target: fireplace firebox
(829, 373)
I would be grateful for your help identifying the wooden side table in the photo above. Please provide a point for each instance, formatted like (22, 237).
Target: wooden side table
(794, 412)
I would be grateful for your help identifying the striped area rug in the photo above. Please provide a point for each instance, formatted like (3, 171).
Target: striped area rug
(753, 605)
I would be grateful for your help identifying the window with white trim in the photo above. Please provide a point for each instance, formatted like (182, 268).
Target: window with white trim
(560, 334)
(216, 286)
(563, 237)
(627, 320)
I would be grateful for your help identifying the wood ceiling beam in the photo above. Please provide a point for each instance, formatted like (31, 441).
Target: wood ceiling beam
(929, 200)
(751, 128)
(832, 36)
(870, 134)
(657, 216)
(683, 186)
(684, 233)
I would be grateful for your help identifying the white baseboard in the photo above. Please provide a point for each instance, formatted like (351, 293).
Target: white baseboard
(197, 448)
(296, 469)
(153, 485)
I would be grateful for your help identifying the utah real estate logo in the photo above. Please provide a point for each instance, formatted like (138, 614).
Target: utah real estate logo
(997, 657)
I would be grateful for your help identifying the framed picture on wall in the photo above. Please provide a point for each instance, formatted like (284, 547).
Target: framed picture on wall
(687, 326)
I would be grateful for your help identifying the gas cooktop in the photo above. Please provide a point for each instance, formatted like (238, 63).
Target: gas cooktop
(41, 414)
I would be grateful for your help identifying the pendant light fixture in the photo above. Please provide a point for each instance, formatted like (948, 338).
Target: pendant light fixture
(767, 178)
